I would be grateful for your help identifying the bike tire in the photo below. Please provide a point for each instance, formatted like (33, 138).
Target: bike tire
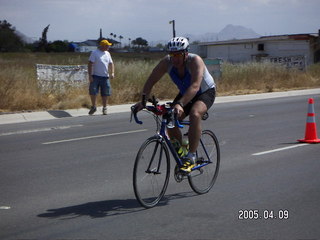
(202, 180)
(151, 172)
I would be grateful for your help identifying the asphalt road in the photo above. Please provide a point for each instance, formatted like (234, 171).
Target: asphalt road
(71, 178)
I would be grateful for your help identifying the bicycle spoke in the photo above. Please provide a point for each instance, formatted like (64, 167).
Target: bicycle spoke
(151, 172)
(202, 178)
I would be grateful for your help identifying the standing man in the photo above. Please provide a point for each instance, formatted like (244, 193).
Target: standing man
(100, 70)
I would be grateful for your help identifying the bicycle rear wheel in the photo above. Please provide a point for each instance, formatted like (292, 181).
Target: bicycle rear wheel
(201, 180)
(151, 172)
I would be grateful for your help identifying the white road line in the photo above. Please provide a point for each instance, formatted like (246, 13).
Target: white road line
(5, 207)
(39, 130)
(280, 149)
(96, 136)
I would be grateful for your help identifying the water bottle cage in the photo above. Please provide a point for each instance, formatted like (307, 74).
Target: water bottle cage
(169, 116)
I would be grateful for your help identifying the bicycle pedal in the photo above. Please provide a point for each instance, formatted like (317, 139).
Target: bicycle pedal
(179, 175)
(187, 169)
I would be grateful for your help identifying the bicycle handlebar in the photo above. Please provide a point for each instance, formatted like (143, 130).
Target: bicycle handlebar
(158, 110)
(134, 114)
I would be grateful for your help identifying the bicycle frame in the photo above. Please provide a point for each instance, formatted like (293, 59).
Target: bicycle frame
(163, 135)
(151, 170)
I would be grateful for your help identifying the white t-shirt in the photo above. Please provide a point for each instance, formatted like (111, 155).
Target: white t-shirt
(101, 61)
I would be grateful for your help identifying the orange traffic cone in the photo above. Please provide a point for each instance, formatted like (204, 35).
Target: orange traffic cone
(311, 129)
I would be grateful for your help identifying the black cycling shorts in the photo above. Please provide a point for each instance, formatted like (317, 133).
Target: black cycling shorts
(207, 98)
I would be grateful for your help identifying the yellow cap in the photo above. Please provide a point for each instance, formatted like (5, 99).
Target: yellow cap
(105, 43)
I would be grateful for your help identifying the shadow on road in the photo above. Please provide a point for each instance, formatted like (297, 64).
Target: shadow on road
(59, 113)
(107, 208)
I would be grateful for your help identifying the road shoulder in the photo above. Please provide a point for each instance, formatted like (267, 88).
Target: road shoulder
(9, 118)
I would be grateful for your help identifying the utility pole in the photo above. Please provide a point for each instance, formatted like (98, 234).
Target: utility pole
(173, 27)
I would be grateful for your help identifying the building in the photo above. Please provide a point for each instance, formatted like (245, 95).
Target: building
(89, 45)
(86, 46)
(296, 50)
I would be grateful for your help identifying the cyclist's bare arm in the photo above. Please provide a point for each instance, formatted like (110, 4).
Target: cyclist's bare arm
(156, 74)
(197, 70)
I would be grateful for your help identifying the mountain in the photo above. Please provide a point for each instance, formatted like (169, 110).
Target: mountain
(227, 33)
(236, 32)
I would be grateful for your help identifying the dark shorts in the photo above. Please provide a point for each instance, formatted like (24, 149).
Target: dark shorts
(207, 98)
(102, 83)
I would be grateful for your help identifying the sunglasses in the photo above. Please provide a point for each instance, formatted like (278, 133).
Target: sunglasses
(176, 54)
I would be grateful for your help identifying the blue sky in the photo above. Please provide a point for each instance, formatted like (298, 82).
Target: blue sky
(78, 20)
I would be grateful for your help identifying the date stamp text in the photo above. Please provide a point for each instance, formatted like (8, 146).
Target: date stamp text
(255, 214)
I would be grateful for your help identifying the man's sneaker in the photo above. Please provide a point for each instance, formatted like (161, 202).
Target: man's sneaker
(92, 110)
(104, 111)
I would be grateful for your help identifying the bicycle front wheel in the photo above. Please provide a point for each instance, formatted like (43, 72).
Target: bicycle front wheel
(202, 179)
(151, 172)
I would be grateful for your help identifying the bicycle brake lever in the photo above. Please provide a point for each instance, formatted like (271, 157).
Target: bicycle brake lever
(178, 124)
(134, 114)
(176, 121)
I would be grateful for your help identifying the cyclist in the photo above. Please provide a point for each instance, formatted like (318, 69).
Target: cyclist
(196, 90)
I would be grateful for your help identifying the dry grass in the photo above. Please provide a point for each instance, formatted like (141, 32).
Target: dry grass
(265, 77)
(130, 77)
(19, 87)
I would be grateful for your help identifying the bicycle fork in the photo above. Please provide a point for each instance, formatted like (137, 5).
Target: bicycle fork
(156, 171)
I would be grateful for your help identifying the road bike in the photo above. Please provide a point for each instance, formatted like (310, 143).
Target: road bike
(152, 164)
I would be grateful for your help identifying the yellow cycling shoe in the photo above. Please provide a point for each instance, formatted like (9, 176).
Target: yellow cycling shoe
(188, 165)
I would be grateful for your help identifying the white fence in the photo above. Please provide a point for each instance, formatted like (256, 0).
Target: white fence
(60, 76)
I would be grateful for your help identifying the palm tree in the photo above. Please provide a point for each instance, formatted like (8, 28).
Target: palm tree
(120, 37)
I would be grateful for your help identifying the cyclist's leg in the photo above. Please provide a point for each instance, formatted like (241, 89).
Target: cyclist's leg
(175, 133)
(201, 105)
(195, 129)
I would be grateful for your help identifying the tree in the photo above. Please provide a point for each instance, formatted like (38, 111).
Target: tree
(120, 37)
(43, 42)
(160, 45)
(58, 46)
(9, 40)
(140, 42)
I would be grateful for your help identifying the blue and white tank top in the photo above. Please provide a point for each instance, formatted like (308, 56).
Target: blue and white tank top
(184, 83)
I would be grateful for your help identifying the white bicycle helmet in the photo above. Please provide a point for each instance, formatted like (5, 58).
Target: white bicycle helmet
(178, 44)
